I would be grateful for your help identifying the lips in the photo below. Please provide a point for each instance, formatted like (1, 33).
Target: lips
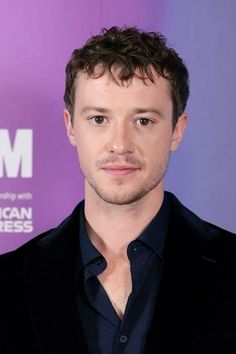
(120, 170)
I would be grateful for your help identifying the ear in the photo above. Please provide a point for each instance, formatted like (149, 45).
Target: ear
(179, 131)
(69, 127)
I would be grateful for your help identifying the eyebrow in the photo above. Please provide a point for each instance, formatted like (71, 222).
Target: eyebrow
(134, 111)
(93, 108)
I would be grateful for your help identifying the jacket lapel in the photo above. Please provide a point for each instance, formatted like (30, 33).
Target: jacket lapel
(51, 283)
(188, 286)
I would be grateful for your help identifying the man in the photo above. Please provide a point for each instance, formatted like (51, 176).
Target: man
(131, 270)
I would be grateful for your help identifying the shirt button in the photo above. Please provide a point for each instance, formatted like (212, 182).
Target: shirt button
(123, 338)
(98, 261)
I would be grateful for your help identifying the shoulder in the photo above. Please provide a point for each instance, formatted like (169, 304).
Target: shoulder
(184, 216)
(211, 241)
(55, 237)
(213, 247)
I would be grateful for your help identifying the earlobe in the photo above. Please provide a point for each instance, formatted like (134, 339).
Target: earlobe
(179, 131)
(69, 127)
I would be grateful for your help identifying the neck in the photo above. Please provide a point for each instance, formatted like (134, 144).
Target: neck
(112, 227)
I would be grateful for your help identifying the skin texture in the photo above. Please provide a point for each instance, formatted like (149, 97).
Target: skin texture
(123, 136)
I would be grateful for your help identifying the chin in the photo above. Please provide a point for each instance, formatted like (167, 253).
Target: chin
(123, 197)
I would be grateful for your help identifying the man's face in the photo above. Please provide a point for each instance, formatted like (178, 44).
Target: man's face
(123, 135)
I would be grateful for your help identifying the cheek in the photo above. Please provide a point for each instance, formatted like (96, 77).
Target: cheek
(157, 146)
(86, 149)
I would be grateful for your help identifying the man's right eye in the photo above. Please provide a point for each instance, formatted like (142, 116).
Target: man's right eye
(97, 120)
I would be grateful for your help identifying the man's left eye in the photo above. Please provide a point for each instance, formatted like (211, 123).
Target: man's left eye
(143, 121)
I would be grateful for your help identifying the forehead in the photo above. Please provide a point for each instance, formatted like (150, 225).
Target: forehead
(136, 91)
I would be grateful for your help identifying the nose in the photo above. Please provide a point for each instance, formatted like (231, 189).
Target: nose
(120, 139)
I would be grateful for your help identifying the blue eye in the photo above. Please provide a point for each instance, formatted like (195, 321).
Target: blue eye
(98, 119)
(143, 121)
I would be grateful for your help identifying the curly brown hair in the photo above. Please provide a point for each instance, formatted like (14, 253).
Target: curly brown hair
(132, 50)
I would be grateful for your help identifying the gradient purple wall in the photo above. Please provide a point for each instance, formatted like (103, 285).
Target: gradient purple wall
(37, 39)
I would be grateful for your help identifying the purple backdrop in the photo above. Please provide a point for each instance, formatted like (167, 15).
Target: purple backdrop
(37, 39)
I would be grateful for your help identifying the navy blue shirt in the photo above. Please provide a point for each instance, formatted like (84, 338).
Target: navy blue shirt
(105, 332)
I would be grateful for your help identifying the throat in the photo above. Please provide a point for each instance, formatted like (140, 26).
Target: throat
(117, 283)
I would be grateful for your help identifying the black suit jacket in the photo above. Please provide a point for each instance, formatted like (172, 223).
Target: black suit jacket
(195, 310)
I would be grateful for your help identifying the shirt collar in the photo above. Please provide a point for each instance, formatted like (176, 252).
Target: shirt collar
(153, 236)
(155, 233)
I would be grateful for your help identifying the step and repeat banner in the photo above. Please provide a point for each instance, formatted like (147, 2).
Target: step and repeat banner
(16, 162)
(40, 179)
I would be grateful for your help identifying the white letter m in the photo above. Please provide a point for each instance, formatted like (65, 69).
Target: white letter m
(18, 155)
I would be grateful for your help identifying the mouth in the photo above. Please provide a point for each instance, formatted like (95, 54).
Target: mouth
(120, 170)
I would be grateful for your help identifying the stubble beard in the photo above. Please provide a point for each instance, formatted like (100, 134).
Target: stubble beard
(120, 197)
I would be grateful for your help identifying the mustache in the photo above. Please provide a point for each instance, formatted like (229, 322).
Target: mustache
(125, 160)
